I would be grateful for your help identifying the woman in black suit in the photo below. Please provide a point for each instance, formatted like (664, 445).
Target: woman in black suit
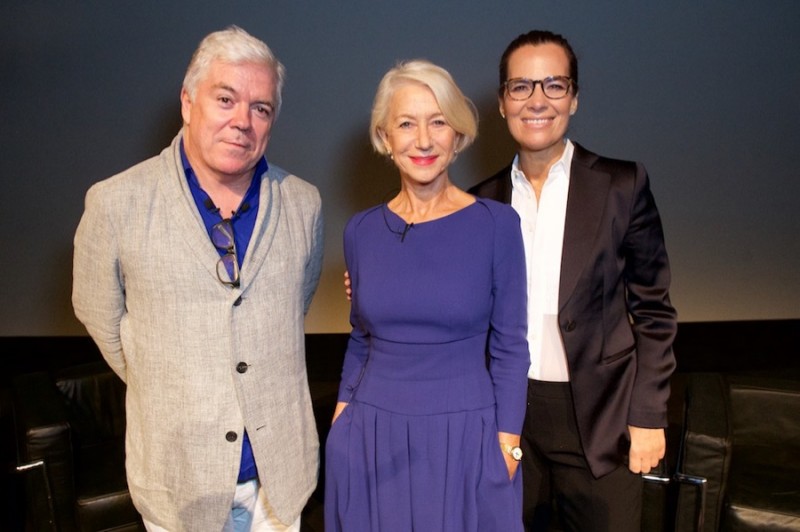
(601, 325)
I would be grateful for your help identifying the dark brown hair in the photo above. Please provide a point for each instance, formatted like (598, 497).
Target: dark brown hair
(535, 38)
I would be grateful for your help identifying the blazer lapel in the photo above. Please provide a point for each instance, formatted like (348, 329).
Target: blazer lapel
(498, 187)
(183, 211)
(588, 193)
(269, 213)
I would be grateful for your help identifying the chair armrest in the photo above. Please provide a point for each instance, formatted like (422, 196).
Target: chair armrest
(705, 451)
(44, 450)
(658, 480)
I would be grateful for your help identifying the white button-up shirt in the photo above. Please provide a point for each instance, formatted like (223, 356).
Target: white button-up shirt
(543, 234)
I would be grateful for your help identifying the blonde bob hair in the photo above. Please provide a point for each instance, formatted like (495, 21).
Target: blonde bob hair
(458, 110)
(235, 46)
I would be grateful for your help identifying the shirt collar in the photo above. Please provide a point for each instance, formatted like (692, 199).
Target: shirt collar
(560, 167)
(204, 204)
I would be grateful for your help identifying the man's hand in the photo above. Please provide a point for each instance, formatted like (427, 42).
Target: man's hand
(647, 448)
(347, 290)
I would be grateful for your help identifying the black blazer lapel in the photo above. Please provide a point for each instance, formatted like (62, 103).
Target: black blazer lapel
(588, 193)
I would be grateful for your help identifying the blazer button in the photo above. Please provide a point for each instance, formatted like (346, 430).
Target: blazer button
(231, 436)
(241, 367)
(570, 326)
(238, 301)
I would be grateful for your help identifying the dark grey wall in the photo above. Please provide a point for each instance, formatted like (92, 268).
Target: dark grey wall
(703, 92)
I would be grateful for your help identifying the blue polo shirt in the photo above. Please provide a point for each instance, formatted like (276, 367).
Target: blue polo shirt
(243, 221)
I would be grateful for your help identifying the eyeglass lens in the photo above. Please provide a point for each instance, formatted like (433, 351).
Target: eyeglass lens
(222, 237)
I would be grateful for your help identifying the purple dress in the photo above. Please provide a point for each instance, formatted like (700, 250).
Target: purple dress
(417, 448)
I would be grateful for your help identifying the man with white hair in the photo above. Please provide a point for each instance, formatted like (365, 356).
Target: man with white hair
(193, 271)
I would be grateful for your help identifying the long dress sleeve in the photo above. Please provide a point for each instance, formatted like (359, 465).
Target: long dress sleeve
(509, 357)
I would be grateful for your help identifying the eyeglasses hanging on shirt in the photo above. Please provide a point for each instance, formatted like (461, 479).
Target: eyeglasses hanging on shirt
(222, 237)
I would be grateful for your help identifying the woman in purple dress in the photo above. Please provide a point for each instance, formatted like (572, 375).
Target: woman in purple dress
(425, 435)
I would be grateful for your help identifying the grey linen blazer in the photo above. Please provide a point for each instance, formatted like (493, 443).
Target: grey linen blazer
(146, 288)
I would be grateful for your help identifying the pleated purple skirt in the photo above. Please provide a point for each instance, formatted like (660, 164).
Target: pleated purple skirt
(395, 472)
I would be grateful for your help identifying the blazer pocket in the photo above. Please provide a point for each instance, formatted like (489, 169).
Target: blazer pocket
(621, 354)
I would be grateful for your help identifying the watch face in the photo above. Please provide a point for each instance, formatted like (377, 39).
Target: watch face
(516, 453)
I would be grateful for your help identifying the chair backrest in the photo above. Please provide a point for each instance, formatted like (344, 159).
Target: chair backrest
(766, 412)
(95, 399)
(729, 417)
(705, 452)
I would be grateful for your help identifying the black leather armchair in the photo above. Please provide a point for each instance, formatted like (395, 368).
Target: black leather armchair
(742, 433)
(70, 430)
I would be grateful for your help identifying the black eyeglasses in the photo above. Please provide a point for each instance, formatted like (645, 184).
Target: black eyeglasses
(222, 237)
(554, 87)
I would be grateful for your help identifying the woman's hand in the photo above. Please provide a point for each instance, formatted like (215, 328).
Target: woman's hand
(507, 439)
(648, 447)
(340, 406)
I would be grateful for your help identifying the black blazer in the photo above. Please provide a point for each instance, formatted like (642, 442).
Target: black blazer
(615, 315)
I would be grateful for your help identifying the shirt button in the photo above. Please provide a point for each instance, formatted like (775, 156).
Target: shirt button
(238, 301)
(241, 367)
(231, 436)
